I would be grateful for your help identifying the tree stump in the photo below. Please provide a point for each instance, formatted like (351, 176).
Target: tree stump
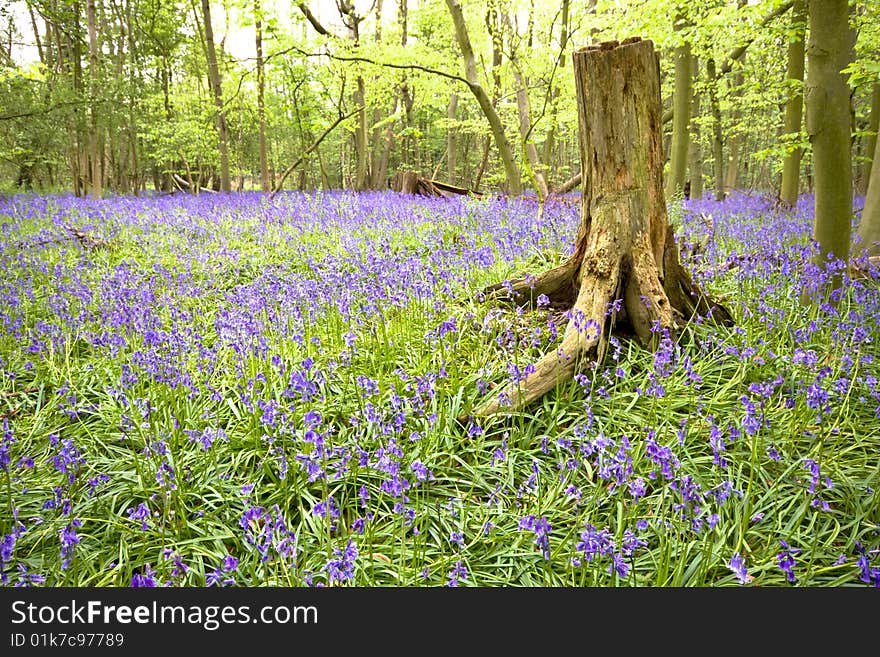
(406, 182)
(625, 267)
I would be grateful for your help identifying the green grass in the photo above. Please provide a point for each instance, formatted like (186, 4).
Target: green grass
(575, 459)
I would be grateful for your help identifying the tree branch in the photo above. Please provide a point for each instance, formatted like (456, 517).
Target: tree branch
(311, 147)
(311, 18)
(736, 54)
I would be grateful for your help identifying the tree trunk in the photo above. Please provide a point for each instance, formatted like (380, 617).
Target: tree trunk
(530, 159)
(361, 143)
(514, 182)
(451, 139)
(828, 126)
(717, 135)
(871, 141)
(695, 153)
(680, 120)
(550, 141)
(381, 171)
(869, 226)
(216, 85)
(731, 177)
(406, 97)
(132, 100)
(95, 172)
(791, 165)
(625, 268)
(261, 97)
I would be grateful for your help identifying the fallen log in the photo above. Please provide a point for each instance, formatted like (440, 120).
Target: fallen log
(410, 182)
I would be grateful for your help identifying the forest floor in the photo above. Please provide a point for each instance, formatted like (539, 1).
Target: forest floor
(231, 390)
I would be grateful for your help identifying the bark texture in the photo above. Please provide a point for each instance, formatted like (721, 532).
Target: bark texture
(828, 125)
(625, 266)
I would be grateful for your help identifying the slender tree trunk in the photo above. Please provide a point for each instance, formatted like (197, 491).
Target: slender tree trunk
(530, 151)
(451, 139)
(550, 140)
(695, 154)
(82, 118)
(531, 161)
(791, 165)
(828, 126)
(261, 97)
(36, 30)
(731, 176)
(624, 249)
(484, 161)
(511, 169)
(405, 94)
(680, 121)
(377, 150)
(132, 101)
(361, 144)
(717, 135)
(95, 161)
(216, 84)
(871, 141)
(869, 225)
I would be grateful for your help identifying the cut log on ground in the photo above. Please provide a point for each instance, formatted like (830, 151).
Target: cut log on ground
(410, 182)
(625, 267)
(184, 186)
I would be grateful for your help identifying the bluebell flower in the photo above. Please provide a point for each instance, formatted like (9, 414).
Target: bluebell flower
(341, 567)
(141, 513)
(69, 539)
(738, 566)
(458, 574)
(785, 560)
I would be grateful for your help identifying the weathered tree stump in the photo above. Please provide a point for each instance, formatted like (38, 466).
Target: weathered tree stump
(625, 266)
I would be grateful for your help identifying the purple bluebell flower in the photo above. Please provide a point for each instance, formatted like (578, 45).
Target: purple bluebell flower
(738, 566)
(785, 561)
(146, 579)
(341, 567)
(69, 540)
(141, 513)
(458, 574)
